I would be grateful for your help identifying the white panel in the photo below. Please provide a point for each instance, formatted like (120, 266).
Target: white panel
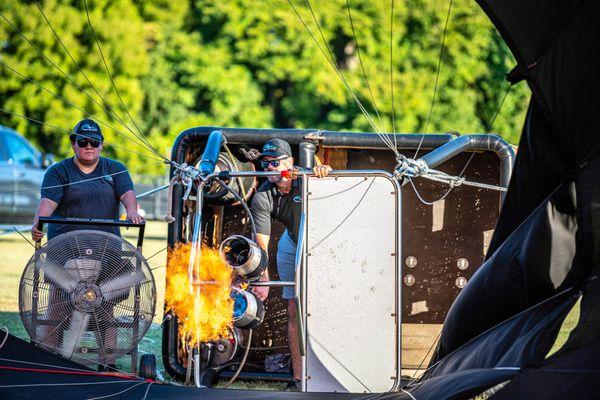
(351, 330)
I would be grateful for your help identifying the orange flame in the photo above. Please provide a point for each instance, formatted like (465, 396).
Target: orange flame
(207, 314)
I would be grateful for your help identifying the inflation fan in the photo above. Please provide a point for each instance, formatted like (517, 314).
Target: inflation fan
(89, 296)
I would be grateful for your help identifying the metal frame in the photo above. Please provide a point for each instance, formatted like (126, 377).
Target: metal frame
(100, 222)
(302, 259)
(302, 266)
(190, 142)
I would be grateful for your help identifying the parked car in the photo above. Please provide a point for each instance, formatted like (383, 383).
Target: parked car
(22, 169)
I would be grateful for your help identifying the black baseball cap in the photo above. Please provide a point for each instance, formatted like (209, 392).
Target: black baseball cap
(87, 128)
(276, 148)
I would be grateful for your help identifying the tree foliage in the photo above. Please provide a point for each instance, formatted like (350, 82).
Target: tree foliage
(253, 64)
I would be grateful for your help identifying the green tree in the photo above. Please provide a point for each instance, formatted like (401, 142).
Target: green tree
(302, 90)
(236, 63)
(41, 91)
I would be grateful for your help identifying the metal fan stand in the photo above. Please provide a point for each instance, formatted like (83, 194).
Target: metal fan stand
(98, 222)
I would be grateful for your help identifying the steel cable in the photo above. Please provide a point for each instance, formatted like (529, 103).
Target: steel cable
(64, 74)
(69, 103)
(109, 109)
(80, 134)
(112, 80)
(376, 128)
(70, 183)
(437, 78)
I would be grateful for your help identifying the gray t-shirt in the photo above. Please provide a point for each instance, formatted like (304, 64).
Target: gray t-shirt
(94, 198)
(270, 204)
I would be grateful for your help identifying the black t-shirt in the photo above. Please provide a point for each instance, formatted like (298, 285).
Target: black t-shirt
(269, 203)
(95, 198)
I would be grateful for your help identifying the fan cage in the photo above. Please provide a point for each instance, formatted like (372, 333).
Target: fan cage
(87, 295)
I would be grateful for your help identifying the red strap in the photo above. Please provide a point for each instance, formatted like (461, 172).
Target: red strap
(65, 372)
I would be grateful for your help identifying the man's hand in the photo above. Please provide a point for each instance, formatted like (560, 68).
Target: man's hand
(135, 217)
(45, 209)
(36, 234)
(261, 291)
(131, 206)
(321, 171)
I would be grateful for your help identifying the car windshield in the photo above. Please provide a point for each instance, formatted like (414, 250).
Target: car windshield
(20, 152)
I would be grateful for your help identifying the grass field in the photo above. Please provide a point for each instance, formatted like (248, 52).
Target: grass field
(15, 252)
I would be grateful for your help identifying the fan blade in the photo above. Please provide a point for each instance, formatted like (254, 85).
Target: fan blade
(71, 336)
(119, 286)
(85, 268)
(59, 276)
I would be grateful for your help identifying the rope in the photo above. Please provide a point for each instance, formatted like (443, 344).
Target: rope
(392, 67)
(118, 393)
(5, 329)
(313, 337)
(408, 393)
(454, 181)
(41, 53)
(239, 179)
(340, 192)
(49, 365)
(437, 78)
(52, 371)
(429, 203)
(142, 137)
(468, 183)
(569, 289)
(362, 65)
(499, 107)
(69, 103)
(27, 240)
(71, 384)
(67, 184)
(80, 134)
(169, 217)
(243, 203)
(375, 127)
(158, 252)
(147, 146)
(108, 108)
(121, 374)
(147, 390)
(413, 379)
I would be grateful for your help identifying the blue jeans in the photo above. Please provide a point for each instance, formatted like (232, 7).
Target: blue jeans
(286, 263)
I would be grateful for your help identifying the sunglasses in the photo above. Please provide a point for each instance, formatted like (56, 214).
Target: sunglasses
(274, 163)
(84, 142)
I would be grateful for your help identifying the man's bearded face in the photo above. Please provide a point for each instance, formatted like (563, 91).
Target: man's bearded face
(284, 165)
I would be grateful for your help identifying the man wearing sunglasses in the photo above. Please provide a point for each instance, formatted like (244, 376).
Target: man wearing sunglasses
(279, 199)
(85, 186)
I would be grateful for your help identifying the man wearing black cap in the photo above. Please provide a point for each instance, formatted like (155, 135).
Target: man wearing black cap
(85, 186)
(279, 199)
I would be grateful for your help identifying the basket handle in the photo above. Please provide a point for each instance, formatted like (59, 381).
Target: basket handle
(93, 221)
